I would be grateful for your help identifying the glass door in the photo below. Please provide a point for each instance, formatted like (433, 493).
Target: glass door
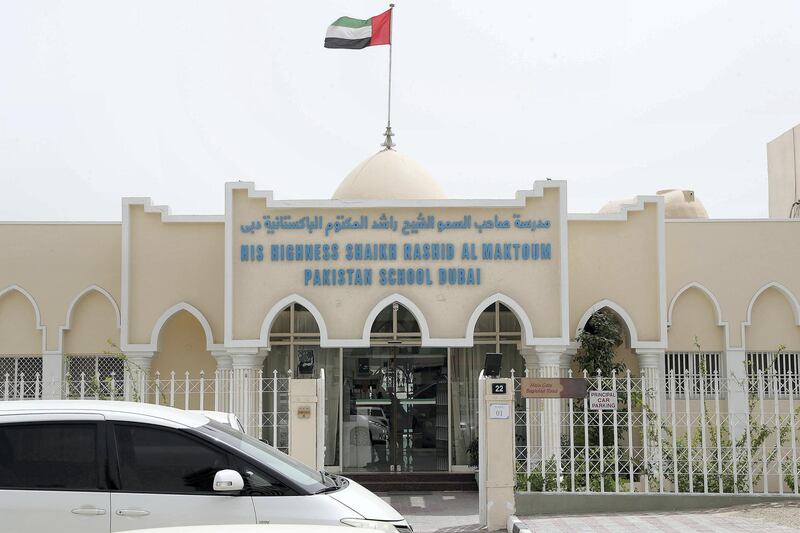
(395, 409)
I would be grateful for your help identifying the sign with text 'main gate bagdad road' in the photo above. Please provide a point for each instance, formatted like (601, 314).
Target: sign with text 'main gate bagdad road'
(553, 387)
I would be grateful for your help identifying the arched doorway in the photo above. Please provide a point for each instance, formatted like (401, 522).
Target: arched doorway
(497, 330)
(395, 401)
(294, 340)
(624, 353)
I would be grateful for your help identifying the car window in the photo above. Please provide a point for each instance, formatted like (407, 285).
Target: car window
(50, 456)
(258, 483)
(281, 464)
(161, 460)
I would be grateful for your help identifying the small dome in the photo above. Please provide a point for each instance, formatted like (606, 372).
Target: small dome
(389, 175)
(677, 204)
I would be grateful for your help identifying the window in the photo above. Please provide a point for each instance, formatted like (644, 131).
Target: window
(20, 377)
(53, 456)
(284, 466)
(94, 376)
(395, 322)
(771, 373)
(165, 461)
(697, 371)
(257, 483)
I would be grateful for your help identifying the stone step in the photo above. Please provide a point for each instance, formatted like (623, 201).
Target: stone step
(416, 481)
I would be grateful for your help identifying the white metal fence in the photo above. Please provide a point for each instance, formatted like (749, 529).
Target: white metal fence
(675, 442)
(260, 401)
(21, 377)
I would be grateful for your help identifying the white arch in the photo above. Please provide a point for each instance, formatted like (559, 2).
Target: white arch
(183, 306)
(782, 289)
(84, 292)
(519, 312)
(704, 290)
(282, 304)
(623, 314)
(405, 302)
(36, 312)
(68, 320)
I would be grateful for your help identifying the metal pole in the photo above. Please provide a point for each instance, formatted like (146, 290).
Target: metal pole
(391, 24)
(387, 143)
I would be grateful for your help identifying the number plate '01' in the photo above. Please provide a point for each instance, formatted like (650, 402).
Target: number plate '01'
(499, 410)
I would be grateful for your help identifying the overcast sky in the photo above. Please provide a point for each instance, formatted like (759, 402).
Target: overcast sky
(171, 99)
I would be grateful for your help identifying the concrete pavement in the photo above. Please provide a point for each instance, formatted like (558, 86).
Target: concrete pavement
(778, 517)
(437, 512)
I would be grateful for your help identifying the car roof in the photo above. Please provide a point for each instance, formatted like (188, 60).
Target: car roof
(111, 410)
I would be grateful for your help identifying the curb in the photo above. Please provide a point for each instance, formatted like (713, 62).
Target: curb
(515, 525)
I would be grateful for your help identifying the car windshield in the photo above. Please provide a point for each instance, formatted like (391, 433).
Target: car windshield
(280, 463)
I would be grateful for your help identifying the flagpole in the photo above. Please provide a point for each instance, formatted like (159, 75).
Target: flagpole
(388, 144)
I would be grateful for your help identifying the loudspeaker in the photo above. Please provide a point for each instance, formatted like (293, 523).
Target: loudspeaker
(491, 366)
(305, 362)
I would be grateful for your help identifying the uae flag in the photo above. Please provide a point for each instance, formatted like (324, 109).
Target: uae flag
(347, 32)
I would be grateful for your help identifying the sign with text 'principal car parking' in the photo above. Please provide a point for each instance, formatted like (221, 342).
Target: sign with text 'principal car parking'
(602, 400)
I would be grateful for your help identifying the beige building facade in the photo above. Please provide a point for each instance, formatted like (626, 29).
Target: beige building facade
(397, 293)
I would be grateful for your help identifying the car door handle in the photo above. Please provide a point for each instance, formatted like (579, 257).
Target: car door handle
(89, 511)
(132, 512)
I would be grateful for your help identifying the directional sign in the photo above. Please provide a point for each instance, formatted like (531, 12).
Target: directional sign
(602, 400)
(553, 387)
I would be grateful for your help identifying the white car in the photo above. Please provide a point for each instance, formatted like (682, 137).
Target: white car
(277, 528)
(95, 466)
(229, 419)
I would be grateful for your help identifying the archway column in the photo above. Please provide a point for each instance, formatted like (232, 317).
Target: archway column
(137, 375)
(52, 378)
(242, 384)
(223, 377)
(737, 385)
(651, 366)
(547, 362)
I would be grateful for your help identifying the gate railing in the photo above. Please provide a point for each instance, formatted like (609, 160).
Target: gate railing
(681, 443)
(20, 377)
(260, 401)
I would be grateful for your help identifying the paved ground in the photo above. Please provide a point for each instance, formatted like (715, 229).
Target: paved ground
(442, 512)
(776, 517)
(457, 512)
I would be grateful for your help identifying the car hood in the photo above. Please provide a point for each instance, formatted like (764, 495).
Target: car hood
(365, 503)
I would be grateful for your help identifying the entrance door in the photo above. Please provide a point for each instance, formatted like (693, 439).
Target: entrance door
(395, 409)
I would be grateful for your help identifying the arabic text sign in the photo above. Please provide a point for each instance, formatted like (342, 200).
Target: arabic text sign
(602, 400)
(353, 249)
(342, 222)
(553, 387)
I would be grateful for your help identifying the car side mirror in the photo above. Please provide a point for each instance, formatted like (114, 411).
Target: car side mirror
(228, 481)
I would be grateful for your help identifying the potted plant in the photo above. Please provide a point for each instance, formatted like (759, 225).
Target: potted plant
(472, 452)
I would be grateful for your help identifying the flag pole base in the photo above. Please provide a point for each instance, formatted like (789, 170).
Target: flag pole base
(388, 143)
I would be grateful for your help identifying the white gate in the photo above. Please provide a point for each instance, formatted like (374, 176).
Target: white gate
(687, 442)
